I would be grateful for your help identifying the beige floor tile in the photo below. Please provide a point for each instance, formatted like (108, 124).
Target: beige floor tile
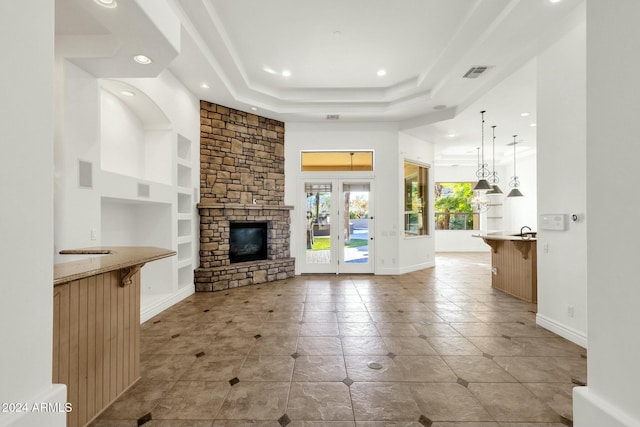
(280, 329)
(328, 329)
(165, 367)
(448, 402)
(383, 402)
(138, 401)
(213, 368)
(396, 329)
(274, 345)
(321, 424)
(319, 368)
(301, 347)
(178, 423)
(358, 329)
(512, 402)
(319, 346)
(324, 401)
(478, 369)
(435, 330)
(544, 369)
(192, 400)
(266, 368)
(409, 346)
(255, 401)
(366, 346)
(557, 396)
(453, 346)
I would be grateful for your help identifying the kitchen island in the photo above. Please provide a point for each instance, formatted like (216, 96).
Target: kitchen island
(96, 325)
(514, 263)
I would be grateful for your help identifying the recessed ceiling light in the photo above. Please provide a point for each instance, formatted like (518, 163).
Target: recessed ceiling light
(451, 135)
(524, 114)
(554, 1)
(286, 73)
(533, 125)
(107, 3)
(142, 59)
(204, 86)
(269, 70)
(127, 93)
(381, 73)
(254, 108)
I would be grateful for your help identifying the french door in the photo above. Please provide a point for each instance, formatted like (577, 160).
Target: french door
(338, 223)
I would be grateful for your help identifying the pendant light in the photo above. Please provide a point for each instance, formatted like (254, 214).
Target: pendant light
(514, 183)
(479, 201)
(493, 179)
(482, 173)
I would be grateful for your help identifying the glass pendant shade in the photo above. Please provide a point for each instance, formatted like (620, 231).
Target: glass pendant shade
(482, 185)
(515, 193)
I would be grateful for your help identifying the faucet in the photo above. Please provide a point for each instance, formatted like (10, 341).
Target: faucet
(528, 235)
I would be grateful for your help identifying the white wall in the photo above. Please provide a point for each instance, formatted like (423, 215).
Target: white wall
(383, 139)
(520, 211)
(613, 57)
(562, 186)
(415, 253)
(122, 139)
(26, 226)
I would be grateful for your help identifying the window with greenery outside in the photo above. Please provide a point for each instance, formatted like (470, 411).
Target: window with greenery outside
(453, 210)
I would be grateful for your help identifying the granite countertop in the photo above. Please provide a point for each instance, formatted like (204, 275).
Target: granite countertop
(103, 259)
(506, 235)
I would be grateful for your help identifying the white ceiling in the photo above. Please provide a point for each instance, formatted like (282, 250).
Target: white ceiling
(333, 50)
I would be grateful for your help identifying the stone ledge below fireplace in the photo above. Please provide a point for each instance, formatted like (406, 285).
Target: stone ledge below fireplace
(243, 274)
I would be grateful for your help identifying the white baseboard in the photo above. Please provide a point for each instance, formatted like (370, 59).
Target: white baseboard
(47, 408)
(592, 410)
(159, 306)
(562, 330)
(404, 270)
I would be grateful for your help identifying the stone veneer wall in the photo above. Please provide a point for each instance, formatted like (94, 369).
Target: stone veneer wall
(241, 179)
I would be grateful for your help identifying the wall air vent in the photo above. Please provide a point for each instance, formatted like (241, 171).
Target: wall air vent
(333, 116)
(475, 72)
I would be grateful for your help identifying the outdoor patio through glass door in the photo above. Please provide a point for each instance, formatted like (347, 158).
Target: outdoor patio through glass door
(338, 227)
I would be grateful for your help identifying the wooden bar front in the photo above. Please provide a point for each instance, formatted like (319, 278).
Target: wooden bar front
(96, 330)
(514, 266)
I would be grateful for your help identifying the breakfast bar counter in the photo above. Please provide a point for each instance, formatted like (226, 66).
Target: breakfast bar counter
(514, 263)
(96, 325)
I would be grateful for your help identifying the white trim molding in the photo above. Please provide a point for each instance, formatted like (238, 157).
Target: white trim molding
(562, 330)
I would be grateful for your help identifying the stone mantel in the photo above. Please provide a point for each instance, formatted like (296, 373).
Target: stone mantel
(242, 206)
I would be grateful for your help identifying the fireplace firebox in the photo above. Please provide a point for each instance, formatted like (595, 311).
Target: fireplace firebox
(247, 241)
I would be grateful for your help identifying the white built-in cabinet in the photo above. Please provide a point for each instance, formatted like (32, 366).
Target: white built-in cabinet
(146, 190)
(185, 212)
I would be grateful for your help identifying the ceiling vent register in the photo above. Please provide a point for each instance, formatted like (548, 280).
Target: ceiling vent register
(475, 72)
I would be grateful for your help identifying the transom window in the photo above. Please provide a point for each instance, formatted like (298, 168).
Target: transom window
(328, 161)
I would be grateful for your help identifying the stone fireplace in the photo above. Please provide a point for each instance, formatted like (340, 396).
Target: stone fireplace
(241, 182)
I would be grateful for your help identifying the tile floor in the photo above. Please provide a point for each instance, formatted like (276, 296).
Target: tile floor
(436, 347)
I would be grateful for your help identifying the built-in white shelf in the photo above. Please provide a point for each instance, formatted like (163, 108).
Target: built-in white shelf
(184, 176)
(184, 203)
(185, 228)
(184, 148)
(185, 276)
